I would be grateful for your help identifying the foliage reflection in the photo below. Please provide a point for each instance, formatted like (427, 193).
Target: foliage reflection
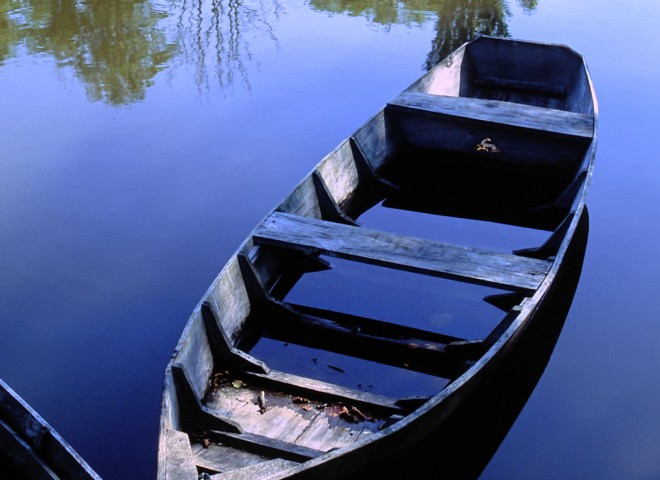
(457, 21)
(116, 48)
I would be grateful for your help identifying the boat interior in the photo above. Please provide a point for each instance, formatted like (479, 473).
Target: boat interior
(391, 268)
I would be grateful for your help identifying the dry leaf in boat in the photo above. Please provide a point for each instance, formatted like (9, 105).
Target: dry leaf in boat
(307, 407)
(357, 413)
(487, 145)
(299, 400)
(336, 410)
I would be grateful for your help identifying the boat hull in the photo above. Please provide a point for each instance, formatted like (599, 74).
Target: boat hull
(501, 132)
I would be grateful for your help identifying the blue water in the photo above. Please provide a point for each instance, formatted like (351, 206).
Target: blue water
(131, 166)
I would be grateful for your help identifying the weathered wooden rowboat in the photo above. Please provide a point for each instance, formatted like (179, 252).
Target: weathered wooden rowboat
(32, 449)
(502, 132)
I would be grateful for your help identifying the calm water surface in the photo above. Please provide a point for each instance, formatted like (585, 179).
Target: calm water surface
(141, 141)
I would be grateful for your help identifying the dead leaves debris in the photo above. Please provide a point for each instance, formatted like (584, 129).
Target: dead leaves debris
(349, 413)
(486, 145)
(203, 439)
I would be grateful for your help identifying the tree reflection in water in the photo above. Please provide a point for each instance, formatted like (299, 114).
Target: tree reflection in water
(457, 21)
(215, 37)
(117, 47)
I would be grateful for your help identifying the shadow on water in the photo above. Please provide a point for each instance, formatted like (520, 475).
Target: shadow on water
(467, 441)
(117, 48)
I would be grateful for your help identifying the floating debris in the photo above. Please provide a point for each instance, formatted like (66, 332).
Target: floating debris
(238, 384)
(337, 369)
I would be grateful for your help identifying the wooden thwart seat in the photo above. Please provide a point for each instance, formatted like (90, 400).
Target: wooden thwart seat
(266, 446)
(496, 112)
(467, 264)
(305, 386)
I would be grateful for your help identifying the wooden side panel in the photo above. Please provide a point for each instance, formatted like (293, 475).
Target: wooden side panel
(303, 200)
(35, 446)
(229, 300)
(444, 78)
(195, 356)
(19, 417)
(579, 97)
(22, 456)
(372, 139)
(178, 461)
(550, 66)
(339, 172)
(169, 420)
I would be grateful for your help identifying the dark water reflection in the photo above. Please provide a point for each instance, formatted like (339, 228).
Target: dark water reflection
(140, 141)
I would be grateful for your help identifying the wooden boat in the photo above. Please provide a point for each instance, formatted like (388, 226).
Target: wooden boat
(502, 133)
(32, 449)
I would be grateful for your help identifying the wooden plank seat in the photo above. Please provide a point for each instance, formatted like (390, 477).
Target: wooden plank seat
(310, 387)
(472, 265)
(529, 117)
(259, 470)
(263, 445)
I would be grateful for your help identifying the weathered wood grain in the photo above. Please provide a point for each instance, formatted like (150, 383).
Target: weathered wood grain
(535, 103)
(179, 462)
(221, 458)
(495, 112)
(261, 470)
(32, 446)
(324, 391)
(266, 445)
(406, 253)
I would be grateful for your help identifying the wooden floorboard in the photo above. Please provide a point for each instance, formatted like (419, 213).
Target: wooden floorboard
(501, 113)
(467, 264)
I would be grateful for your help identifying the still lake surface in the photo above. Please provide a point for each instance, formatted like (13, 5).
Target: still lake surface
(141, 141)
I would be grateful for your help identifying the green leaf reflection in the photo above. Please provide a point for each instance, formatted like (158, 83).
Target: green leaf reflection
(457, 21)
(116, 47)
